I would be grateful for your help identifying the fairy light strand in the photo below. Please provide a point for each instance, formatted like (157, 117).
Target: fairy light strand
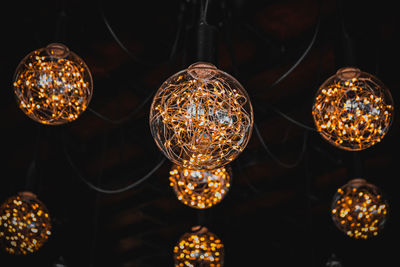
(353, 110)
(25, 224)
(199, 248)
(201, 122)
(53, 85)
(359, 210)
(200, 189)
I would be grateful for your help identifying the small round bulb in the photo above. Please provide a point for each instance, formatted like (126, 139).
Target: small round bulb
(199, 248)
(53, 85)
(353, 110)
(200, 189)
(201, 117)
(24, 224)
(359, 209)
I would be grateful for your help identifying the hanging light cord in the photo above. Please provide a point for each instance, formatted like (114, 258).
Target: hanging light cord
(108, 191)
(304, 54)
(274, 109)
(301, 58)
(171, 57)
(118, 41)
(128, 117)
(204, 9)
(290, 70)
(275, 158)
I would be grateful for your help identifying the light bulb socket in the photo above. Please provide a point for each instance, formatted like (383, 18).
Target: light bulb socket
(206, 43)
(202, 71)
(199, 229)
(357, 182)
(348, 73)
(57, 50)
(27, 195)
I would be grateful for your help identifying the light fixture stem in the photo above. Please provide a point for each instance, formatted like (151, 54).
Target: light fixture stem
(206, 43)
(347, 43)
(357, 162)
(206, 37)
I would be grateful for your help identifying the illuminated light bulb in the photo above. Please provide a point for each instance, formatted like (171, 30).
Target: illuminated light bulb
(353, 110)
(199, 248)
(200, 189)
(359, 210)
(24, 224)
(53, 85)
(201, 117)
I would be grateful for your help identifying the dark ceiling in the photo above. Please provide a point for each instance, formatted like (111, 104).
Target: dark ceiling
(272, 216)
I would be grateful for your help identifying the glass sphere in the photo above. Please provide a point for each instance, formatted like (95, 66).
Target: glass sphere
(201, 117)
(200, 189)
(359, 210)
(53, 85)
(199, 248)
(24, 224)
(353, 110)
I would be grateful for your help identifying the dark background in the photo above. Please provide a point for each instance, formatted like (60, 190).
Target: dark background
(272, 216)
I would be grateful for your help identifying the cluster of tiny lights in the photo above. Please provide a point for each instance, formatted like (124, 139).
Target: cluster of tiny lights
(199, 248)
(359, 210)
(201, 117)
(53, 85)
(24, 224)
(353, 110)
(200, 189)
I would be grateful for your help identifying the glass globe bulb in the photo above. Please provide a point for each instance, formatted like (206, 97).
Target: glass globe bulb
(200, 189)
(359, 210)
(199, 248)
(53, 85)
(353, 110)
(201, 117)
(24, 224)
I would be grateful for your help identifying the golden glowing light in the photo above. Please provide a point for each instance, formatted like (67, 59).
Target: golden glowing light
(353, 110)
(359, 210)
(199, 248)
(200, 189)
(201, 117)
(53, 85)
(24, 224)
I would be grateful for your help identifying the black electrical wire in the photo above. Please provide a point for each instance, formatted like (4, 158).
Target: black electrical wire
(108, 191)
(204, 10)
(32, 169)
(281, 78)
(171, 57)
(274, 109)
(305, 53)
(275, 158)
(118, 41)
(126, 118)
(309, 198)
